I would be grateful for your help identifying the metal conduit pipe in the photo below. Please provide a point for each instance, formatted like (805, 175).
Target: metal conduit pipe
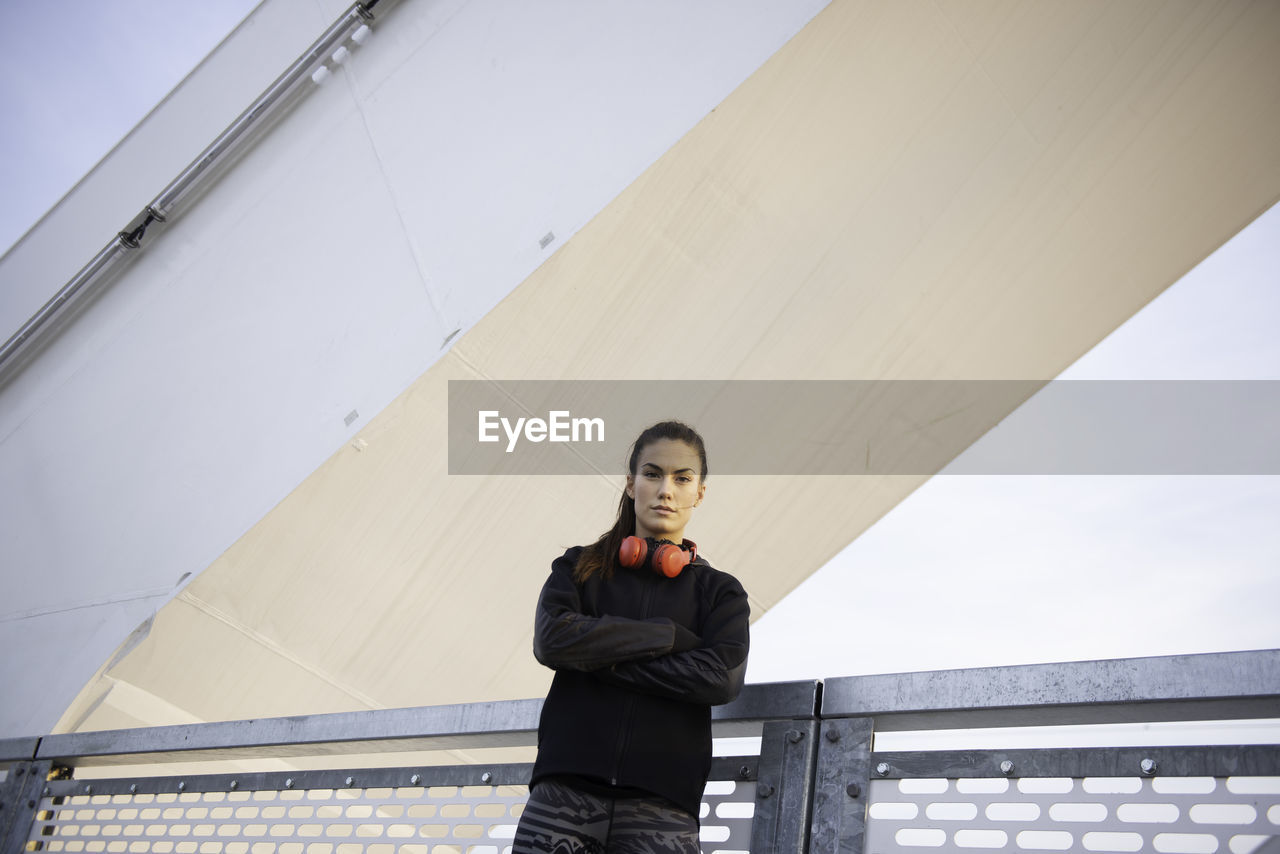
(184, 189)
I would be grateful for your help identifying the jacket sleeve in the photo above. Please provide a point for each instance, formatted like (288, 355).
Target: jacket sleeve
(713, 673)
(564, 638)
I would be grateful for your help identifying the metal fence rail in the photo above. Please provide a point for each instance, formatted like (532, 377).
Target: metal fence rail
(1214, 687)
(817, 783)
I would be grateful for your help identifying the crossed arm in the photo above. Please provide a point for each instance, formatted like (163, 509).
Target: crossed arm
(654, 656)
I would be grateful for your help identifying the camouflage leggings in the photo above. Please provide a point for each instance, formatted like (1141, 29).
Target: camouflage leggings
(559, 819)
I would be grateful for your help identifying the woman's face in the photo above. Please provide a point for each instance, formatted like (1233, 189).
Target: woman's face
(666, 486)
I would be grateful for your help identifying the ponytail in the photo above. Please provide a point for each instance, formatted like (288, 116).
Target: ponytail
(602, 555)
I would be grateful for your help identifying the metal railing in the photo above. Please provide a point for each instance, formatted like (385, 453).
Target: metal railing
(818, 783)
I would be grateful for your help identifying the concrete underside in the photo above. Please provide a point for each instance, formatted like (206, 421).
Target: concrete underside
(906, 190)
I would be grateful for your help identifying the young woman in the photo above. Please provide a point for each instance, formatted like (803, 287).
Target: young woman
(644, 641)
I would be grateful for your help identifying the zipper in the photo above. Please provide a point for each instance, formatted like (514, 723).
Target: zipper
(623, 739)
(624, 732)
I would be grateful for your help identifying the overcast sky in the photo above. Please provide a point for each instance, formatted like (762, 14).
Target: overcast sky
(967, 571)
(77, 75)
(981, 570)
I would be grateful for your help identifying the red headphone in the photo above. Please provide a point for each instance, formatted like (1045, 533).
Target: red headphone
(662, 556)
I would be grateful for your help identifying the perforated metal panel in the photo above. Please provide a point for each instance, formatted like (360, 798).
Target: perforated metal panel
(412, 819)
(728, 808)
(1187, 815)
(406, 820)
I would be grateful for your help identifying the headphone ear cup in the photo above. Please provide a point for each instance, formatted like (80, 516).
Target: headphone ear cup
(669, 559)
(692, 548)
(632, 552)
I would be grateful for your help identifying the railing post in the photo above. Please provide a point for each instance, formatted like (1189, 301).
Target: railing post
(784, 788)
(19, 799)
(841, 785)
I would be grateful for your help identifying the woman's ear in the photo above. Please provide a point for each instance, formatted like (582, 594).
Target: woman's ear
(631, 487)
(702, 490)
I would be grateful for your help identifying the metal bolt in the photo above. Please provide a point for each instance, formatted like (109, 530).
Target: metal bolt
(182, 786)
(349, 781)
(88, 790)
(288, 782)
(833, 736)
(486, 777)
(745, 772)
(235, 784)
(763, 790)
(853, 790)
(1006, 767)
(1148, 766)
(415, 779)
(46, 791)
(794, 736)
(882, 769)
(133, 788)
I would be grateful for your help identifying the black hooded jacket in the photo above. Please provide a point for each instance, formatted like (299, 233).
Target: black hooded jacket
(640, 659)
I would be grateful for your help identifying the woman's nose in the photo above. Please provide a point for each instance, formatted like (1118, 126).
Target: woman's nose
(666, 487)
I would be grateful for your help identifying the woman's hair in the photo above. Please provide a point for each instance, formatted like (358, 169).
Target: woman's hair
(602, 555)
